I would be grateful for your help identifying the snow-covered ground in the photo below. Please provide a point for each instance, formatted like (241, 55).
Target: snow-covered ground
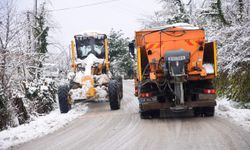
(47, 124)
(40, 126)
(233, 111)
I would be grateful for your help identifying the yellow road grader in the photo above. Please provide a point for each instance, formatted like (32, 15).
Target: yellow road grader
(90, 79)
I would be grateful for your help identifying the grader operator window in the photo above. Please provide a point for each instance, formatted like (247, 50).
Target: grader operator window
(88, 45)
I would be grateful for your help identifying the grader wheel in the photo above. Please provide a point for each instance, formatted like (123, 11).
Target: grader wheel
(63, 99)
(114, 99)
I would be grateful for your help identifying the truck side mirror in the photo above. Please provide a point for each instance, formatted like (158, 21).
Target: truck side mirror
(132, 48)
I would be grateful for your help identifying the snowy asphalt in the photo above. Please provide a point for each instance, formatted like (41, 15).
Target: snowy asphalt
(101, 128)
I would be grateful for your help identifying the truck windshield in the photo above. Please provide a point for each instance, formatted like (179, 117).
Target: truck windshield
(90, 45)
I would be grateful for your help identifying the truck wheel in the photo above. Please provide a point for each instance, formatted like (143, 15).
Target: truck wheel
(63, 99)
(145, 115)
(208, 111)
(114, 100)
(197, 111)
(119, 80)
(204, 111)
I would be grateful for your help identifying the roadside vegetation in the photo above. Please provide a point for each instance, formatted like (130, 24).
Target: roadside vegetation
(25, 89)
(120, 58)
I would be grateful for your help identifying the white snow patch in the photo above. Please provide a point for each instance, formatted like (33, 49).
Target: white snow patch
(182, 25)
(88, 62)
(81, 93)
(101, 93)
(32, 89)
(228, 109)
(91, 33)
(177, 25)
(78, 77)
(40, 126)
(44, 88)
(209, 68)
(102, 79)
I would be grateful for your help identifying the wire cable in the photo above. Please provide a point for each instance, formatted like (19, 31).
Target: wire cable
(86, 5)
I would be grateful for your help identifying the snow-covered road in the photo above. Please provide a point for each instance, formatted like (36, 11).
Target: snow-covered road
(101, 128)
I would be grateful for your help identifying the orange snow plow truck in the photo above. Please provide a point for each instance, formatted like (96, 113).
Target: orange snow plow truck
(174, 71)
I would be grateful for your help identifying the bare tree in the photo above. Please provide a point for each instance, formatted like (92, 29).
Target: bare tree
(12, 56)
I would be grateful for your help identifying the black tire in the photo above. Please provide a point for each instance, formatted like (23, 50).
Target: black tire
(204, 111)
(63, 99)
(119, 80)
(197, 111)
(146, 115)
(114, 100)
(209, 111)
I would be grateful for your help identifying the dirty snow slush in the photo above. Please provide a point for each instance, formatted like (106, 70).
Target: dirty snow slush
(101, 128)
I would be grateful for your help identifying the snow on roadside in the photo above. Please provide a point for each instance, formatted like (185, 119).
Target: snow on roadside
(231, 110)
(40, 126)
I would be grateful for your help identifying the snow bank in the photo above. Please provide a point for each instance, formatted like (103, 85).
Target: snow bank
(231, 110)
(40, 126)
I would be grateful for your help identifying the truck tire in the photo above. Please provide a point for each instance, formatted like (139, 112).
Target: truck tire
(63, 99)
(113, 91)
(208, 111)
(145, 115)
(204, 111)
(197, 111)
(150, 114)
(119, 80)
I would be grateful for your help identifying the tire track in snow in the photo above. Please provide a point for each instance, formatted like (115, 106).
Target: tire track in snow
(101, 128)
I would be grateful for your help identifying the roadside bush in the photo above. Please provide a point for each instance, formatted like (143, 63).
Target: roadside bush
(41, 95)
(4, 115)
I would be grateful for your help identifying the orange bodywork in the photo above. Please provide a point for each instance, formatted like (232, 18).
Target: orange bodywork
(159, 42)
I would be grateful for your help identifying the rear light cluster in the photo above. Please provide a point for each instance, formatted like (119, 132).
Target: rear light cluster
(146, 94)
(209, 91)
(136, 91)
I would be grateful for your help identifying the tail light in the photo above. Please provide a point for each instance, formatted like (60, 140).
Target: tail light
(209, 91)
(136, 91)
(146, 94)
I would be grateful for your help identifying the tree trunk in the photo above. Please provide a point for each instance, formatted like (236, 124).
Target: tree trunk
(221, 14)
(20, 110)
(241, 10)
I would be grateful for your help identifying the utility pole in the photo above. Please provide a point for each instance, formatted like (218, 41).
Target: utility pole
(34, 42)
(29, 32)
(35, 8)
(33, 45)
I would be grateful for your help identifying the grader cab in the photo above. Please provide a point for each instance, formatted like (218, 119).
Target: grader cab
(174, 71)
(90, 79)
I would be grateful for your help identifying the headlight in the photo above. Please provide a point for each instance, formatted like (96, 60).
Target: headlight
(96, 64)
(81, 66)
